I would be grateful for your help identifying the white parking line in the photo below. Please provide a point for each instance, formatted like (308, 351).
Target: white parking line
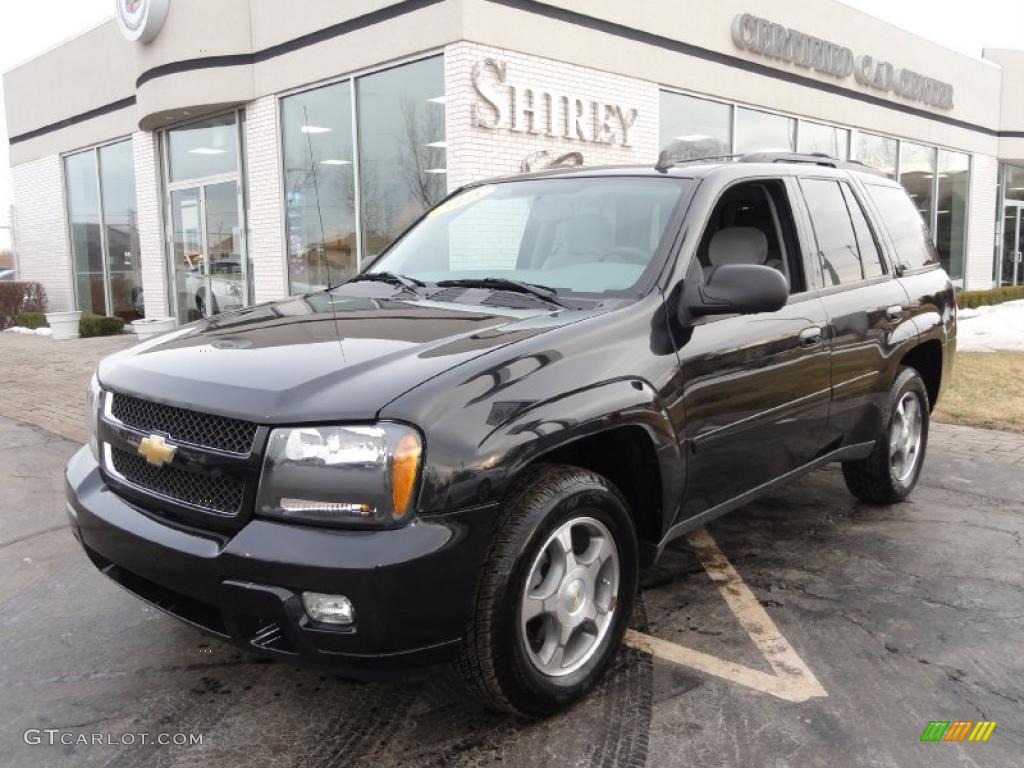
(792, 679)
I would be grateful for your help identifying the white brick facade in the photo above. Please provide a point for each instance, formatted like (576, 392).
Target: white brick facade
(43, 250)
(981, 224)
(476, 152)
(150, 218)
(266, 206)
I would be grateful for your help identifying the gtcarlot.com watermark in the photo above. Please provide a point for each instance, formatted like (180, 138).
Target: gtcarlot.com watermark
(53, 736)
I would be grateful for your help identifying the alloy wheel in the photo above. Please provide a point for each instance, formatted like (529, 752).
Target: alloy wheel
(570, 596)
(905, 436)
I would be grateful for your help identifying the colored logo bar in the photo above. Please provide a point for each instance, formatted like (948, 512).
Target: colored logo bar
(958, 730)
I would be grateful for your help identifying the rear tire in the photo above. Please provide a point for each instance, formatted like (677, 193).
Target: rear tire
(555, 593)
(890, 473)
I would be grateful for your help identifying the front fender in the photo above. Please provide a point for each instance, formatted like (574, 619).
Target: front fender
(554, 423)
(472, 457)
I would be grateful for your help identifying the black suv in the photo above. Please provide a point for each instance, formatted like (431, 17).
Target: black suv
(467, 452)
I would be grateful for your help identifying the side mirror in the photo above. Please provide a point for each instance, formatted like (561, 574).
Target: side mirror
(737, 289)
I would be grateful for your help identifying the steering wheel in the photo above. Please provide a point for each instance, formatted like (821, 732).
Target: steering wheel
(628, 255)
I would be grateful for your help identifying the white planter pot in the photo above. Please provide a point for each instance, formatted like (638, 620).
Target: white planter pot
(63, 324)
(152, 327)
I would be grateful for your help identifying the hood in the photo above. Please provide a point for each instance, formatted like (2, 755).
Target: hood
(330, 356)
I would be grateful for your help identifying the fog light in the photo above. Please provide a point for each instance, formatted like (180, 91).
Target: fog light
(329, 609)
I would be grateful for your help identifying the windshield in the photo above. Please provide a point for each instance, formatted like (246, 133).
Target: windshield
(579, 235)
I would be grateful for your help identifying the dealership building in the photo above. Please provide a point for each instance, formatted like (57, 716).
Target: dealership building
(187, 156)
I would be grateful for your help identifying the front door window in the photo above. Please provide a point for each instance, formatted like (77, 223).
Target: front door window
(206, 248)
(206, 234)
(1013, 243)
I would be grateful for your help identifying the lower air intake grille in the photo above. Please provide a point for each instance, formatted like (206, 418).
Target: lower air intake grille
(220, 495)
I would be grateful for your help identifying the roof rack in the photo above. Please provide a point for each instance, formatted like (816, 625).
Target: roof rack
(665, 161)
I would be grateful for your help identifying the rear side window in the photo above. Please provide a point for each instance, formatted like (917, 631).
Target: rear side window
(905, 226)
(870, 256)
(837, 243)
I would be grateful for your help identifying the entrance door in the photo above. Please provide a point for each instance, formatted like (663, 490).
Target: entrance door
(207, 249)
(1012, 272)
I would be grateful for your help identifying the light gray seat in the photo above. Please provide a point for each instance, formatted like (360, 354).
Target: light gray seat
(736, 245)
(585, 238)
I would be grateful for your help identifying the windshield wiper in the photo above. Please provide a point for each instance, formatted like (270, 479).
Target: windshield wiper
(388, 277)
(542, 292)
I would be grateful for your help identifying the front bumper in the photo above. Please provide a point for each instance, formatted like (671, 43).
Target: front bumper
(412, 588)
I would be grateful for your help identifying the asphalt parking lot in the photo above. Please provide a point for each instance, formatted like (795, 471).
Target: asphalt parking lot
(898, 616)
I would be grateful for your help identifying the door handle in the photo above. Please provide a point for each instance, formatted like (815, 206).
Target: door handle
(894, 313)
(810, 337)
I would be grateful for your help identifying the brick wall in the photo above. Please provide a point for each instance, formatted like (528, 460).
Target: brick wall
(982, 223)
(476, 152)
(266, 207)
(43, 250)
(151, 238)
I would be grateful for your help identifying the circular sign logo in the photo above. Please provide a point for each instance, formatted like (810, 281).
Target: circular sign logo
(141, 20)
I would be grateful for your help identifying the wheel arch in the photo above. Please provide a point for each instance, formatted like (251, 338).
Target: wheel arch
(618, 429)
(926, 359)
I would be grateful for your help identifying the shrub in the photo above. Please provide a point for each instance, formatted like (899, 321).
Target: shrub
(972, 299)
(35, 298)
(31, 320)
(19, 296)
(99, 325)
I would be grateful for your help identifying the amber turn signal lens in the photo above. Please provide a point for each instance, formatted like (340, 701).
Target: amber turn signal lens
(404, 463)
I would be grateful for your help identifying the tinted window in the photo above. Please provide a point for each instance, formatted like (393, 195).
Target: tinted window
(837, 244)
(905, 226)
(869, 255)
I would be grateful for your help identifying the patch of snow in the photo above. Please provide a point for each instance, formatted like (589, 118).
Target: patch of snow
(29, 331)
(989, 329)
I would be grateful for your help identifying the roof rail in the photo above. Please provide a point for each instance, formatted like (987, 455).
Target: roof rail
(665, 161)
(812, 158)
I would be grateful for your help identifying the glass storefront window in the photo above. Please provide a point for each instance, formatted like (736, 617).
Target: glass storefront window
(693, 128)
(1014, 176)
(917, 174)
(121, 229)
(951, 216)
(878, 152)
(402, 149)
(762, 132)
(319, 187)
(205, 148)
(84, 223)
(827, 139)
(103, 227)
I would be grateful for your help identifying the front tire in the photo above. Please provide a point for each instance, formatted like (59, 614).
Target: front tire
(890, 473)
(555, 593)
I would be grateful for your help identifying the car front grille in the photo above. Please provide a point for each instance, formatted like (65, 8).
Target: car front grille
(210, 493)
(203, 430)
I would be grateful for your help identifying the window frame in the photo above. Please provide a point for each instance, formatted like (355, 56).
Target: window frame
(682, 270)
(363, 260)
(899, 269)
(108, 298)
(888, 272)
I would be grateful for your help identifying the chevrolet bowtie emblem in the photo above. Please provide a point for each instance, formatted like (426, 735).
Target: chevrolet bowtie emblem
(156, 450)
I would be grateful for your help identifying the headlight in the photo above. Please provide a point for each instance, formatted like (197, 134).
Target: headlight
(93, 403)
(352, 475)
